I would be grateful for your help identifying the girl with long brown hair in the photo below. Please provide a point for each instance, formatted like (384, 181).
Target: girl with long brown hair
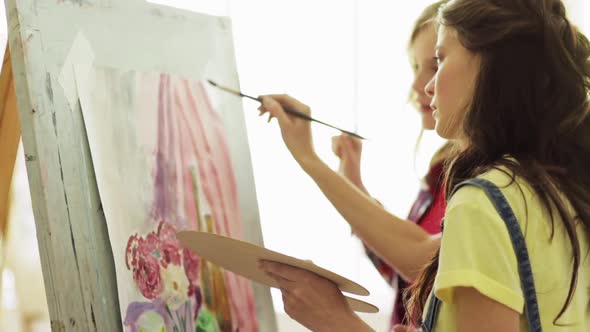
(512, 92)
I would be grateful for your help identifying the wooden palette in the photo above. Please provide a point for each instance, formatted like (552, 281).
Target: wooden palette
(242, 258)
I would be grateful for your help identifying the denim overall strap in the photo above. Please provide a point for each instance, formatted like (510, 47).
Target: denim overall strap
(524, 265)
(431, 314)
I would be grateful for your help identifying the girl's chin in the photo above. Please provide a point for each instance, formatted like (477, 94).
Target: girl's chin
(428, 122)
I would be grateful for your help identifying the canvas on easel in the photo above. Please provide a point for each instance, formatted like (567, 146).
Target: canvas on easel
(92, 283)
(162, 165)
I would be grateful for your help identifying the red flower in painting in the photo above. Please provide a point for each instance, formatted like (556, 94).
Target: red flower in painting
(147, 257)
(131, 252)
(138, 246)
(191, 268)
(147, 276)
(169, 245)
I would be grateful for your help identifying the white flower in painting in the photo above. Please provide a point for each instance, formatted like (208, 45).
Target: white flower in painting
(151, 322)
(175, 286)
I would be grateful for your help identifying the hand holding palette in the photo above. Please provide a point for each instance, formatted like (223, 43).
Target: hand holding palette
(242, 258)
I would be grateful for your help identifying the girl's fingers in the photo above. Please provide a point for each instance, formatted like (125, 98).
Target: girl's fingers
(274, 108)
(289, 102)
(336, 145)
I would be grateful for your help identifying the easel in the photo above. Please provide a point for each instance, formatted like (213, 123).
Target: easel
(76, 256)
(80, 285)
(9, 140)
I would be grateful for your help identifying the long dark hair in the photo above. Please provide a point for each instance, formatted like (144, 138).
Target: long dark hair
(531, 103)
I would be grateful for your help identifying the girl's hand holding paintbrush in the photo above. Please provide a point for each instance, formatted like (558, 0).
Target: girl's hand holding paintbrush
(349, 150)
(287, 110)
(296, 131)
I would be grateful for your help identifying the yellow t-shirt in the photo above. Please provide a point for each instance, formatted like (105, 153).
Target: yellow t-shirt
(476, 251)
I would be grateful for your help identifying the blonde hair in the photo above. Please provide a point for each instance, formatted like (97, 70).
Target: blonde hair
(427, 17)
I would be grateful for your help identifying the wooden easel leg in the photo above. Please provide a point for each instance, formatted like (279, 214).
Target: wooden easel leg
(9, 140)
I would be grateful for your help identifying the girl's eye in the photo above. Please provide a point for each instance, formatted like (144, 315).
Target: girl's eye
(434, 65)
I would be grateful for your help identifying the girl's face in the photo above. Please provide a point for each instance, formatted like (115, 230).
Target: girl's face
(423, 62)
(453, 85)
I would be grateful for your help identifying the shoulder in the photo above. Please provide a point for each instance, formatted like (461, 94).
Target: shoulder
(476, 249)
(515, 190)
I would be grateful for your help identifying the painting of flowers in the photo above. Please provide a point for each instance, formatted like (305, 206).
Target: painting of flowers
(162, 162)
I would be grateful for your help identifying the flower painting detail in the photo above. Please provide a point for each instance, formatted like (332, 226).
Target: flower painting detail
(188, 292)
(163, 165)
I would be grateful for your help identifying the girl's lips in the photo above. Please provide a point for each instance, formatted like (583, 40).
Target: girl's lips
(425, 109)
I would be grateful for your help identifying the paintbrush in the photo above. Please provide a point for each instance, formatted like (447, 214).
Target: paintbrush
(292, 112)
